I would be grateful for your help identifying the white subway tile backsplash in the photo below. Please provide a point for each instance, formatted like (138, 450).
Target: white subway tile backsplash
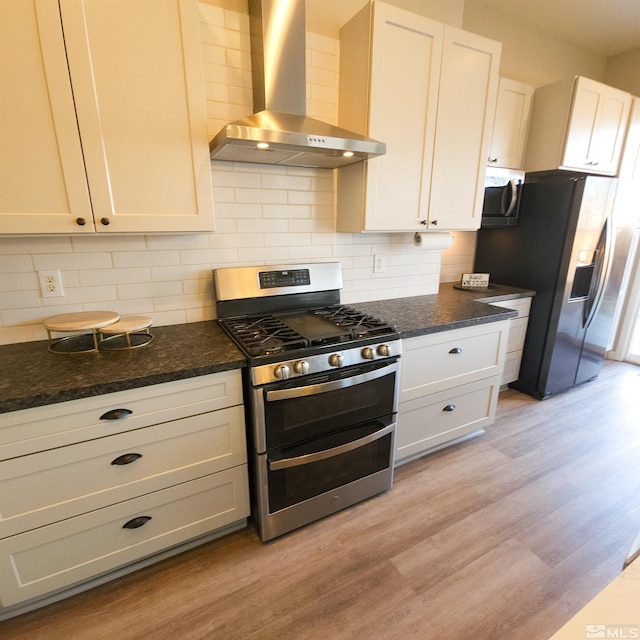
(94, 277)
(264, 215)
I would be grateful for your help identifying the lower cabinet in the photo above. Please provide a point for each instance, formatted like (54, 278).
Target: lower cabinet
(449, 386)
(515, 340)
(74, 513)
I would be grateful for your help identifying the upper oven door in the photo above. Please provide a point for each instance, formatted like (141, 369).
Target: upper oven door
(289, 412)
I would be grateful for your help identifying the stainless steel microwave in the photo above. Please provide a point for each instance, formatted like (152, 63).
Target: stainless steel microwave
(502, 189)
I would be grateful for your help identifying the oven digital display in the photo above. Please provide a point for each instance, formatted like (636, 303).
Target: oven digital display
(293, 278)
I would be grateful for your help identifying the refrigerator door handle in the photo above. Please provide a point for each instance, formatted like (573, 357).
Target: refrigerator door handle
(603, 267)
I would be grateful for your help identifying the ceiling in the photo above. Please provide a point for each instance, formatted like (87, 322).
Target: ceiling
(607, 27)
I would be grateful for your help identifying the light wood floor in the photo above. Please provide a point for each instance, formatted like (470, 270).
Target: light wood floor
(503, 537)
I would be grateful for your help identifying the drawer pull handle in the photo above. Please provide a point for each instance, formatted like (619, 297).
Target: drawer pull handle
(136, 522)
(456, 350)
(450, 407)
(127, 458)
(116, 414)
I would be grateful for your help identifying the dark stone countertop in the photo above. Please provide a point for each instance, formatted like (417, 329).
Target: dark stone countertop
(448, 309)
(32, 376)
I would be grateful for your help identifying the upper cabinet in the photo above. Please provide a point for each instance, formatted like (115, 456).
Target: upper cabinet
(577, 124)
(510, 125)
(109, 133)
(428, 91)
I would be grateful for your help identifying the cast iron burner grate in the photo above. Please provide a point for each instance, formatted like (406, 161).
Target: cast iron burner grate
(359, 324)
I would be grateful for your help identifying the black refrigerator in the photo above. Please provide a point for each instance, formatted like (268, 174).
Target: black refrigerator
(563, 249)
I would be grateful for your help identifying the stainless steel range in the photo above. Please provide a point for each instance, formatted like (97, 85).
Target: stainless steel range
(322, 386)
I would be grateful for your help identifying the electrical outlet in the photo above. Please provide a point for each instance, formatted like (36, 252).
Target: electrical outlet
(50, 284)
(379, 263)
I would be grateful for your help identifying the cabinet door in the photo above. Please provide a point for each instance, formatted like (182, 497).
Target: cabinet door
(405, 65)
(43, 186)
(138, 87)
(511, 124)
(466, 109)
(596, 128)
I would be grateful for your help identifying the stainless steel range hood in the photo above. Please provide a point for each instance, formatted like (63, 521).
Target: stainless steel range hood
(280, 132)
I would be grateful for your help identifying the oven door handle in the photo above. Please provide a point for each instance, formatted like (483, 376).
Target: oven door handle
(324, 387)
(310, 458)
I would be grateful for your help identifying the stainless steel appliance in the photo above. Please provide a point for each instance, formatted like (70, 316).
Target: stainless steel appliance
(563, 248)
(322, 387)
(279, 131)
(502, 189)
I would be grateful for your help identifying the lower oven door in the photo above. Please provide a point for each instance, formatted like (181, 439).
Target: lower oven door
(286, 413)
(299, 484)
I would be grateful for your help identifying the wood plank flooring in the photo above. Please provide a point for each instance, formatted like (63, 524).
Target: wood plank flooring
(502, 537)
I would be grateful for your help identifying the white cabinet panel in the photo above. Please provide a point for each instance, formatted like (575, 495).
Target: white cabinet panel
(129, 119)
(69, 482)
(427, 422)
(428, 91)
(577, 124)
(62, 554)
(511, 124)
(449, 385)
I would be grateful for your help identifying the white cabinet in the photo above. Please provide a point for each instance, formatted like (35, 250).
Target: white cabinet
(92, 486)
(428, 91)
(510, 125)
(515, 338)
(449, 386)
(577, 124)
(109, 133)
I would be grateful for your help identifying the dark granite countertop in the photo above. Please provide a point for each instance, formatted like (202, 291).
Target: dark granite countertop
(32, 376)
(448, 309)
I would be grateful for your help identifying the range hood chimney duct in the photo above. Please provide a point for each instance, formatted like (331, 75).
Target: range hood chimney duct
(279, 131)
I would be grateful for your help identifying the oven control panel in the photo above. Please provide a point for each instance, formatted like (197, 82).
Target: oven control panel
(292, 278)
(324, 362)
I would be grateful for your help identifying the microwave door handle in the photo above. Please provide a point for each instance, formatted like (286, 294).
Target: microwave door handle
(513, 190)
(277, 465)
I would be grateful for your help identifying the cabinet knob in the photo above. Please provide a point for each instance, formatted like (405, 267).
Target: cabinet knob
(424, 222)
(456, 350)
(116, 414)
(126, 458)
(81, 222)
(493, 160)
(105, 221)
(135, 523)
(449, 407)
(434, 223)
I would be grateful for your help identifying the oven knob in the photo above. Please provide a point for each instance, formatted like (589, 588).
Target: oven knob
(282, 372)
(301, 367)
(368, 353)
(384, 350)
(336, 360)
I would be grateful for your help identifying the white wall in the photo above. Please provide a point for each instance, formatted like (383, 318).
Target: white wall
(623, 71)
(264, 215)
(529, 54)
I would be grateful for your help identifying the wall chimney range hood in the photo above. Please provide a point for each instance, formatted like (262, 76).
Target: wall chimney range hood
(279, 131)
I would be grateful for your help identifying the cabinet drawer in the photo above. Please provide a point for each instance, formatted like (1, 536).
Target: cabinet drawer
(521, 305)
(42, 488)
(439, 361)
(511, 371)
(428, 422)
(68, 552)
(31, 430)
(517, 334)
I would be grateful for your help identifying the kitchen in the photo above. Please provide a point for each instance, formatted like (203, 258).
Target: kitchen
(262, 215)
